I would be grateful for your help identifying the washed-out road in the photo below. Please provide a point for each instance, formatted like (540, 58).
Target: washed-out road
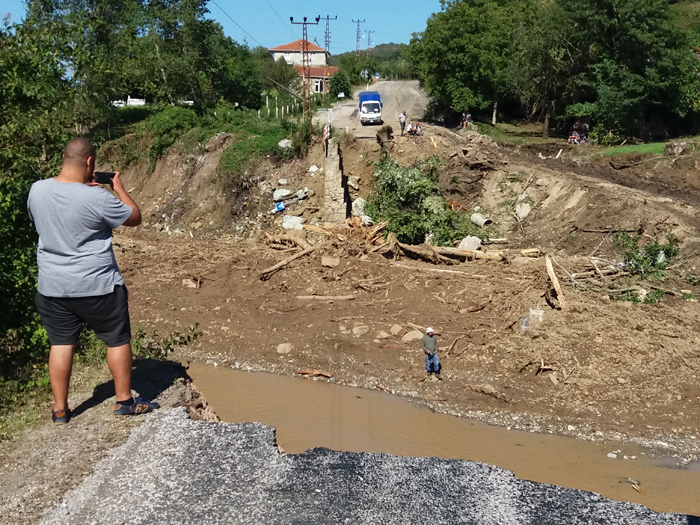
(174, 470)
(397, 96)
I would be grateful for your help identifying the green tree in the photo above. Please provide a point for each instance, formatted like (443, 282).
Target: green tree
(635, 66)
(280, 75)
(340, 84)
(59, 72)
(463, 54)
(539, 72)
(643, 65)
(34, 116)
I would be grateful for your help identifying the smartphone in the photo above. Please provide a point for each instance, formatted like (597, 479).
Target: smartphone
(104, 177)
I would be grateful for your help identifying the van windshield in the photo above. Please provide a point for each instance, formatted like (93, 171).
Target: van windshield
(371, 107)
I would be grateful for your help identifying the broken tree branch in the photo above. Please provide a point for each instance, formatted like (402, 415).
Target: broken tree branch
(268, 272)
(325, 297)
(452, 346)
(468, 254)
(555, 280)
(287, 239)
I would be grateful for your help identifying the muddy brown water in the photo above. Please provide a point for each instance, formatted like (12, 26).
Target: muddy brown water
(309, 414)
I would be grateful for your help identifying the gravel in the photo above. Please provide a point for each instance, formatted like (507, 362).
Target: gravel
(175, 470)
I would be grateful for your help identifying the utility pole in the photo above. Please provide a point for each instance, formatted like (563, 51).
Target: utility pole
(369, 40)
(327, 42)
(359, 36)
(306, 66)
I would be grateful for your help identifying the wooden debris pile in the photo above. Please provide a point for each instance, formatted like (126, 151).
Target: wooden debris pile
(353, 238)
(394, 249)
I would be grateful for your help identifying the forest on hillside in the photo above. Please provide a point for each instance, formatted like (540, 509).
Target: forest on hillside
(386, 59)
(629, 68)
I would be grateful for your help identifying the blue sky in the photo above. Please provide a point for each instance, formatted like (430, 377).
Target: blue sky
(267, 21)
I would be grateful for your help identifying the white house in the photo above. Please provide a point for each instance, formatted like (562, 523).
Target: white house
(319, 58)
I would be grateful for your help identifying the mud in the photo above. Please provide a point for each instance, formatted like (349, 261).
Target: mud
(309, 414)
(597, 370)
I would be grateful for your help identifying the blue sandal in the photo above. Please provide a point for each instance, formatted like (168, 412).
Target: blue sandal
(61, 417)
(139, 406)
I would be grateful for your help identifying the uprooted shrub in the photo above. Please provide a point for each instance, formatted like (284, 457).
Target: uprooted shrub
(649, 261)
(409, 200)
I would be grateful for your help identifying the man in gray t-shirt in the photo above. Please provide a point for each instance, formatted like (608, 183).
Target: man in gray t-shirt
(79, 280)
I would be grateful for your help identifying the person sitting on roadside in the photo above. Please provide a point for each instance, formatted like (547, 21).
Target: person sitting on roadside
(574, 137)
(410, 129)
(418, 131)
(584, 134)
(79, 280)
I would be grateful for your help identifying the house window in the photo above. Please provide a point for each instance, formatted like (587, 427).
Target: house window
(318, 86)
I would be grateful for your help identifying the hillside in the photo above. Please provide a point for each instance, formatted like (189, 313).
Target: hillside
(382, 52)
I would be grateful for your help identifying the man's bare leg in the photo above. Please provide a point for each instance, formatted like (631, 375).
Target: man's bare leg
(60, 367)
(119, 363)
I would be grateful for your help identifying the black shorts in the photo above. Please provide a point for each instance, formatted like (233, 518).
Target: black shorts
(107, 315)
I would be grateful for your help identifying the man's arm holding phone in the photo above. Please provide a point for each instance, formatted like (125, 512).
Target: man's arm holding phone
(135, 217)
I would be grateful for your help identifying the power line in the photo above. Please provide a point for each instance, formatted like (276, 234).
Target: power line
(327, 42)
(281, 19)
(369, 41)
(358, 36)
(306, 65)
(239, 25)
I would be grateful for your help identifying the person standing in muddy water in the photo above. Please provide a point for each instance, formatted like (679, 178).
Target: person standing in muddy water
(430, 348)
(79, 280)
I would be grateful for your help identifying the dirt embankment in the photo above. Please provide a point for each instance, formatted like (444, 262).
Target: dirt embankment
(598, 367)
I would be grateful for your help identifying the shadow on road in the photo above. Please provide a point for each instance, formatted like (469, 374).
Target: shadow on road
(149, 378)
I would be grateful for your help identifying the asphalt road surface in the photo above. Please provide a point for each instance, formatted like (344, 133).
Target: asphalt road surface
(397, 96)
(174, 470)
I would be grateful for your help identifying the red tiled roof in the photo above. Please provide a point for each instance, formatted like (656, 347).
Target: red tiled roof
(296, 46)
(318, 71)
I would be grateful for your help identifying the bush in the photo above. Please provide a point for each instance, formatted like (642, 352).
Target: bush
(256, 141)
(340, 84)
(168, 126)
(410, 201)
(649, 261)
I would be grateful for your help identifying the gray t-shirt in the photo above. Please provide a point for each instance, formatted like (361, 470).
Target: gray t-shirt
(75, 224)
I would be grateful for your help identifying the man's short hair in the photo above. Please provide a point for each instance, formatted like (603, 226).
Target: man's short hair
(78, 150)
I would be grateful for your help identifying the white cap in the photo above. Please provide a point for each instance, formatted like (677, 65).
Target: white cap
(429, 330)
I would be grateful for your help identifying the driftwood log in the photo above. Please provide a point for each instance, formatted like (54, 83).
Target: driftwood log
(325, 297)
(432, 254)
(286, 239)
(268, 272)
(468, 254)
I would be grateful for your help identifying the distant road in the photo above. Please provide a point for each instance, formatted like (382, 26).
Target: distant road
(397, 96)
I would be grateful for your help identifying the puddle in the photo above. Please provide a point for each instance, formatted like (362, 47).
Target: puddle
(310, 414)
